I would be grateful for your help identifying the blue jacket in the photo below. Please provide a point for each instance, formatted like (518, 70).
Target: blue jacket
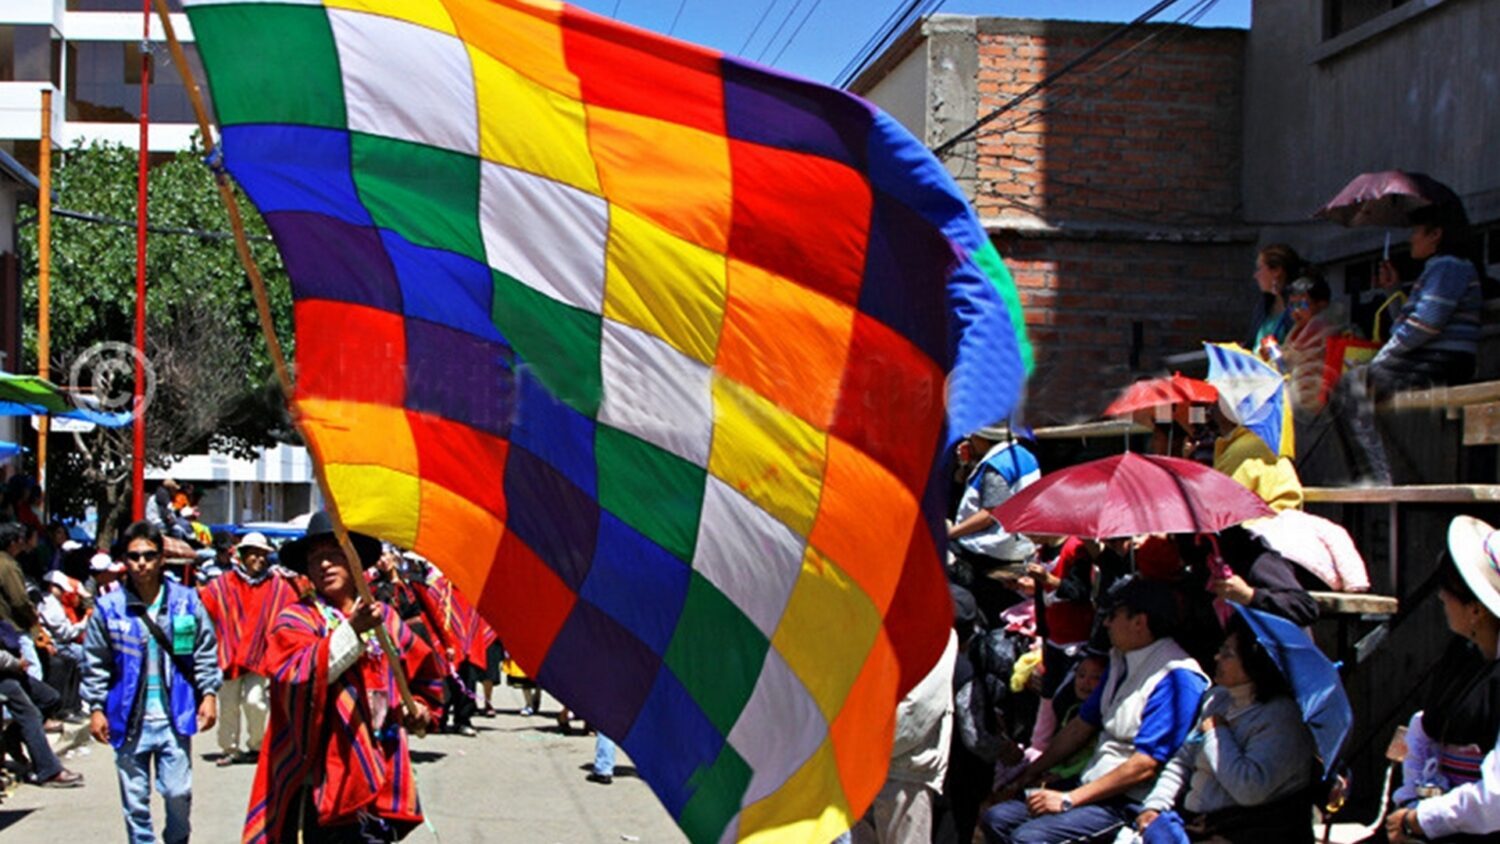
(115, 647)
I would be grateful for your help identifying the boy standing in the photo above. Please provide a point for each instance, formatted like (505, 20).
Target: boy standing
(151, 682)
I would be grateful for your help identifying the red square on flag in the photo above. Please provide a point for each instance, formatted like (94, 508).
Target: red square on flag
(350, 353)
(775, 190)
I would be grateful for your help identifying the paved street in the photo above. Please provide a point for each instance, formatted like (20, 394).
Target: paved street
(520, 780)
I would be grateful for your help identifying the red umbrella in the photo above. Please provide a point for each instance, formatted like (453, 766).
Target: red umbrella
(1129, 495)
(1385, 199)
(1177, 389)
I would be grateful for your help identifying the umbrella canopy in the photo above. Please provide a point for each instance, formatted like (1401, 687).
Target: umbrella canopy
(1312, 677)
(1317, 545)
(1177, 389)
(1386, 198)
(9, 450)
(1129, 495)
(29, 395)
(1253, 394)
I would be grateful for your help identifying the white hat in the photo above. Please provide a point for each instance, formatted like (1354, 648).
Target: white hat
(1475, 547)
(71, 545)
(101, 562)
(58, 579)
(255, 539)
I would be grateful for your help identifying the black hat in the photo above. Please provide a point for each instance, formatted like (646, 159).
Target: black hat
(1140, 595)
(293, 555)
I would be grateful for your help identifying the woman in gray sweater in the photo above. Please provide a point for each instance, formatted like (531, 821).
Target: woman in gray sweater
(1243, 775)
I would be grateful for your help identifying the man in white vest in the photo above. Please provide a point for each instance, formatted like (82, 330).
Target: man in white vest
(1142, 712)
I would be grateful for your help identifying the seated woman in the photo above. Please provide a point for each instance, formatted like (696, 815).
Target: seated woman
(1451, 776)
(1435, 340)
(1242, 777)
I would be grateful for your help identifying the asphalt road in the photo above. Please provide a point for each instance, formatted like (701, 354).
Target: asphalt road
(520, 780)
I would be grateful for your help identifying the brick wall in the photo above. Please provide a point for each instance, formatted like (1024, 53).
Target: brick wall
(1142, 145)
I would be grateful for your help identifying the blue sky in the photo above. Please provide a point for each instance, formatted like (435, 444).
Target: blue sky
(835, 29)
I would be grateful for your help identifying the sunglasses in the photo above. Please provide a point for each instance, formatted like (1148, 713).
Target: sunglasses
(142, 556)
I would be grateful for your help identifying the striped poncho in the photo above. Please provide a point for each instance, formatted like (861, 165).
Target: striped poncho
(321, 734)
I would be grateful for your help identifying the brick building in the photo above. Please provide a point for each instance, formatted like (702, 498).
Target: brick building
(1114, 195)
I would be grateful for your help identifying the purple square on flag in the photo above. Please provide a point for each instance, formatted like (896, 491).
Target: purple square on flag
(764, 106)
(556, 520)
(906, 276)
(599, 667)
(460, 377)
(328, 258)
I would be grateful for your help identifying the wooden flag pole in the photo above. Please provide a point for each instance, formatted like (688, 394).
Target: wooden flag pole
(278, 358)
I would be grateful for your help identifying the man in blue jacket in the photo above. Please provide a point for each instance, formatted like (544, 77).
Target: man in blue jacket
(151, 682)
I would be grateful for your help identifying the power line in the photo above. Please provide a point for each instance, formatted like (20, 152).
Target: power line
(1114, 36)
(760, 57)
(797, 31)
(864, 48)
(615, 12)
(675, 18)
(885, 36)
(763, 14)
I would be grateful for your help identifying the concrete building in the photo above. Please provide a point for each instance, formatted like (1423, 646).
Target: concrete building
(18, 186)
(1334, 88)
(276, 486)
(1113, 194)
(88, 53)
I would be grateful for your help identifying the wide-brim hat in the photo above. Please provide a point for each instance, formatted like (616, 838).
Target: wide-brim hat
(293, 555)
(1475, 547)
(257, 540)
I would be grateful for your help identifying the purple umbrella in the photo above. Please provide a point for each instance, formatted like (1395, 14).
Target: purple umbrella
(1385, 199)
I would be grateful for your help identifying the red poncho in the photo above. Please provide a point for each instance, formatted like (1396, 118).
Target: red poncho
(242, 612)
(457, 624)
(325, 732)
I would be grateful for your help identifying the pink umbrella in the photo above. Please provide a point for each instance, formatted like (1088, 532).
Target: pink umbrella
(1386, 198)
(1129, 495)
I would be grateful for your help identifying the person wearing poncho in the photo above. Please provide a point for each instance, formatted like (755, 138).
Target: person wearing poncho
(336, 766)
(465, 637)
(243, 603)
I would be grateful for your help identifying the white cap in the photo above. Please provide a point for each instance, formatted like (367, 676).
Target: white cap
(71, 545)
(101, 562)
(58, 579)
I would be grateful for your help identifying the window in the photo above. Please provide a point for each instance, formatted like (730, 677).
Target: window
(30, 54)
(1340, 16)
(104, 83)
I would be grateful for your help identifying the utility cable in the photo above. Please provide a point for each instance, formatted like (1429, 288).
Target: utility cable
(753, 30)
(797, 31)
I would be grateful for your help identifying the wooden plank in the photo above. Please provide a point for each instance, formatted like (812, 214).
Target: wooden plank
(1462, 395)
(1413, 494)
(1086, 430)
(1482, 424)
(1355, 603)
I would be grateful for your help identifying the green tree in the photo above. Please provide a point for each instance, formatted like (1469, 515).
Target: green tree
(216, 387)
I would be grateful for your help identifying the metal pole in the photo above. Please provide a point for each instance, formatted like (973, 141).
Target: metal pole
(44, 283)
(138, 465)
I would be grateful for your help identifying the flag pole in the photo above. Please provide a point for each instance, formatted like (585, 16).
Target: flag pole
(44, 283)
(278, 357)
(143, 162)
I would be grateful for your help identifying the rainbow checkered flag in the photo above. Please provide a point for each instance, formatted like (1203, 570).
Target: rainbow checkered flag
(657, 353)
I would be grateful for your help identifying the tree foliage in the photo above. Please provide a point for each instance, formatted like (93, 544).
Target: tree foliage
(215, 382)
